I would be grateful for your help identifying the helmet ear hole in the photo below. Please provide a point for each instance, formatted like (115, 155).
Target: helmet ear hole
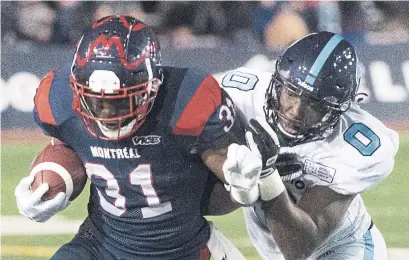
(359, 97)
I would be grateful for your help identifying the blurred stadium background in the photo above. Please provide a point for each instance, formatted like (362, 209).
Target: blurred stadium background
(215, 36)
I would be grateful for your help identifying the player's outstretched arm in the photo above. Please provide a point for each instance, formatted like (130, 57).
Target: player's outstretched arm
(297, 229)
(221, 142)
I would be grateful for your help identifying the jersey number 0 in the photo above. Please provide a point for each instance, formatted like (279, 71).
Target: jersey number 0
(362, 138)
(240, 80)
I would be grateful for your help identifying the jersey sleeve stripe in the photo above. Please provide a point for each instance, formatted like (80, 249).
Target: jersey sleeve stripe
(61, 96)
(322, 58)
(202, 104)
(191, 82)
(42, 101)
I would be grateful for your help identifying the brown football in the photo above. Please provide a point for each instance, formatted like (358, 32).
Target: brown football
(59, 166)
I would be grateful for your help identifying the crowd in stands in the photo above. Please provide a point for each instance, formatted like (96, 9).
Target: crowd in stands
(186, 24)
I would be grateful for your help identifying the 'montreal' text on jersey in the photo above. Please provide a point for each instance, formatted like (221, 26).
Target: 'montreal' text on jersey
(108, 153)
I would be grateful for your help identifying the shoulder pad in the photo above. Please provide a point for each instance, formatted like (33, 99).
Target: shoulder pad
(359, 155)
(198, 98)
(54, 97)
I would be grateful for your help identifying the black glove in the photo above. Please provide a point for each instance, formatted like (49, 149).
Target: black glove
(266, 145)
(289, 166)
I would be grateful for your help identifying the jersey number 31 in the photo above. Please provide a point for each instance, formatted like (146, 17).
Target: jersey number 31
(142, 176)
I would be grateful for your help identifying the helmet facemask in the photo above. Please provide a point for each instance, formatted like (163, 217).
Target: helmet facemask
(113, 114)
(297, 114)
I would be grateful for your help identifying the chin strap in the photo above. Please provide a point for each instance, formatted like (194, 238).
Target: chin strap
(114, 133)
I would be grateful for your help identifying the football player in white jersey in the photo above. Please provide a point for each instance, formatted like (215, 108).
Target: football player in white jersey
(335, 149)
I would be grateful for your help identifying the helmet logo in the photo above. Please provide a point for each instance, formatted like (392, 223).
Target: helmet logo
(122, 20)
(106, 44)
(305, 85)
(104, 80)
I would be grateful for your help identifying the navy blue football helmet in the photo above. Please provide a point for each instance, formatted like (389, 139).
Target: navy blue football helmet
(115, 75)
(315, 81)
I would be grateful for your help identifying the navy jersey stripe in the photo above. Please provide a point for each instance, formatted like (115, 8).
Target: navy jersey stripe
(61, 96)
(191, 82)
(322, 58)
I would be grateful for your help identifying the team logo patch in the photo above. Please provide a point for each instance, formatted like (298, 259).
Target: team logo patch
(146, 140)
(323, 172)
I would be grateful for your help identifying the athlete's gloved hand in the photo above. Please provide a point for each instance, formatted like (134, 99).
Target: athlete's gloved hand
(288, 164)
(265, 141)
(30, 204)
(242, 170)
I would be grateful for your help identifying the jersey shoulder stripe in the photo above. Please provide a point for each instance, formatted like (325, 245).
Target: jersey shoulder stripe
(198, 98)
(54, 97)
(41, 99)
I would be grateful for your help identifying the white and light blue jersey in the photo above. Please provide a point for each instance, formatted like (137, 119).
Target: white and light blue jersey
(356, 156)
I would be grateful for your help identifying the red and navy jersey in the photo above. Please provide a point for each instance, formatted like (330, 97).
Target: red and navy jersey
(146, 190)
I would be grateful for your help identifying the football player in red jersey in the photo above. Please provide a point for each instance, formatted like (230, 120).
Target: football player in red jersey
(148, 135)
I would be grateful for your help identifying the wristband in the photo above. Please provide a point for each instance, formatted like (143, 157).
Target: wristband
(292, 176)
(270, 186)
